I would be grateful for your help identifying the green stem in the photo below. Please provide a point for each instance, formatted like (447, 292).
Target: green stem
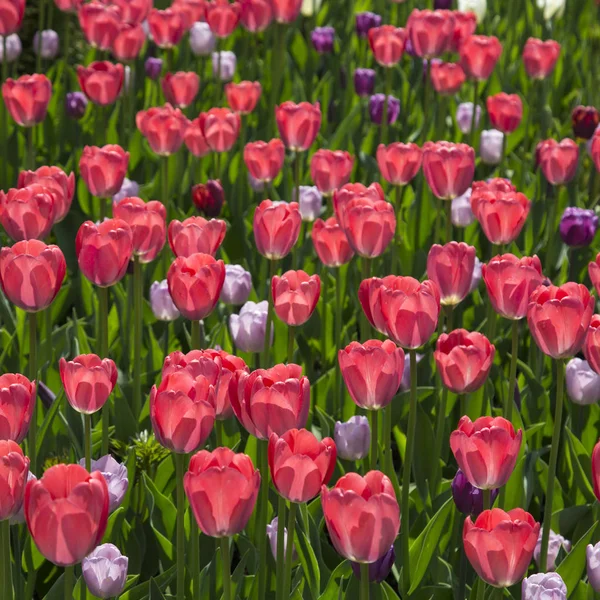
(462, 574)
(374, 423)
(560, 389)
(338, 402)
(324, 345)
(364, 322)
(30, 151)
(267, 346)
(384, 117)
(386, 442)
(6, 558)
(38, 58)
(290, 345)
(297, 163)
(487, 499)
(48, 341)
(137, 336)
(426, 101)
(225, 560)
(474, 115)
(448, 205)
(399, 195)
(238, 205)
(261, 525)
(166, 252)
(88, 442)
(281, 510)
(195, 556)
(289, 551)
(103, 352)
(196, 336)
(69, 580)
(408, 454)
(277, 61)
(512, 377)
(364, 581)
(32, 450)
(180, 557)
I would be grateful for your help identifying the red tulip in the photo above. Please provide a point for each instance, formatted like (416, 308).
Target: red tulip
(500, 214)
(196, 234)
(451, 267)
(11, 16)
(101, 81)
(298, 124)
(591, 346)
(147, 221)
(208, 197)
(242, 97)
(463, 360)
(430, 32)
(99, 23)
(194, 139)
(14, 468)
(220, 127)
(465, 24)
(31, 274)
(133, 11)
(222, 17)
(88, 381)
(27, 213)
(448, 168)
(222, 488)
(271, 400)
(399, 163)
(195, 284)
(505, 111)
(276, 228)
(255, 15)
(166, 26)
(264, 160)
(66, 512)
(129, 41)
(182, 411)
(17, 401)
(68, 5)
(353, 191)
(479, 55)
(295, 296)
(596, 470)
(330, 169)
(510, 281)
(496, 184)
(500, 545)
(180, 88)
(558, 160)
(387, 44)
(300, 464)
(286, 11)
(539, 57)
(103, 169)
(190, 11)
(447, 78)
(331, 243)
(559, 318)
(27, 98)
(372, 372)
(50, 177)
(362, 516)
(594, 272)
(163, 127)
(104, 250)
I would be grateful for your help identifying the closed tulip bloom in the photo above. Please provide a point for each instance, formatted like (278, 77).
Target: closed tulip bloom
(202, 39)
(191, 11)
(594, 273)
(46, 44)
(591, 346)
(330, 169)
(463, 360)
(222, 17)
(164, 127)
(448, 168)
(353, 438)
(51, 177)
(264, 160)
(129, 41)
(399, 163)
(101, 81)
(593, 566)
(540, 57)
(17, 401)
(27, 98)
(365, 21)
(208, 197)
(196, 234)
(486, 450)
(166, 26)
(310, 203)
(75, 104)
(242, 97)
(505, 111)
(194, 139)
(376, 103)
(134, 11)
(372, 372)
(559, 317)
(295, 296)
(447, 78)
(556, 542)
(464, 116)
(220, 127)
(249, 326)
(115, 475)
(585, 120)
(331, 243)
(544, 586)
(479, 55)
(387, 44)
(510, 281)
(451, 267)
(88, 381)
(237, 286)
(430, 32)
(180, 88)
(161, 302)
(224, 64)
(66, 512)
(467, 498)
(276, 228)
(14, 468)
(357, 502)
(491, 146)
(558, 160)
(11, 16)
(99, 23)
(380, 569)
(364, 82)
(461, 213)
(578, 226)
(255, 15)
(182, 411)
(499, 545)
(272, 400)
(104, 251)
(27, 213)
(103, 169)
(583, 383)
(298, 124)
(465, 23)
(104, 571)
(272, 529)
(222, 488)
(323, 39)
(13, 48)
(286, 11)
(31, 274)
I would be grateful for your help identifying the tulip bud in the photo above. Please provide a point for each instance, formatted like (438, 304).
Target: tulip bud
(13, 48)
(45, 43)
(593, 565)
(555, 543)
(376, 108)
(380, 569)
(161, 302)
(364, 82)
(544, 586)
(129, 189)
(468, 499)
(491, 146)
(462, 214)
(366, 21)
(353, 438)
(225, 67)
(464, 116)
(75, 104)
(209, 197)
(578, 226)
(583, 383)
(237, 286)
(202, 39)
(248, 327)
(310, 203)
(322, 39)
(105, 571)
(115, 475)
(272, 535)
(153, 67)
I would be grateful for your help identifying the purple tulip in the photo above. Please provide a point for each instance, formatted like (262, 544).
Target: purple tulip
(380, 569)
(115, 475)
(544, 586)
(224, 67)
(248, 327)
(467, 498)
(353, 438)
(366, 21)
(237, 285)
(272, 535)
(128, 189)
(202, 39)
(376, 108)
(322, 39)
(583, 383)
(310, 202)
(555, 543)
(161, 302)
(46, 43)
(593, 565)
(105, 571)
(578, 226)
(442, 4)
(153, 67)
(464, 116)
(491, 146)
(75, 104)
(364, 81)
(13, 48)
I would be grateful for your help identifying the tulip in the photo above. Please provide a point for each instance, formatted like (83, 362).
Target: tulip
(88, 381)
(14, 469)
(163, 127)
(270, 400)
(551, 8)
(310, 202)
(196, 234)
(298, 124)
(583, 383)
(103, 251)
(75, 104)
(544, 586)
(499, 545)
(451, 267)
(27, 98)
(310, 461)
(237, 285)
(558, 160)
(264, 160)
(365, 21)
(387, 44)
(593, 566)
(104, 571)
(202, 39)
(222, 17)
(465, 23)
(220, 127)
(467, 498)
(596, 470)
(161, 302)
(31, 274)
(376, 108)
(12, 12)
(486, 450)
(353, 501)
(243, 97)
(256, 15)
(54, 178)
(66, 512)
(448, 168)
(208, 198)
(99, 23)
(380, 569)
(194, 139)
(153, 67)
(103, 169)
(399, 163)
(272, 528)
(447, 78)
(331, 243)
(540, 57)
(191, 11)
(556, 542)
(45, 43)
(286, 11)
(594, 273)
(213, 476)
(322, 39)
(464, 117)
(134, 11)
(276, 228)
(115, 475)
(578, 226)
(591, 346)
(505, 111)
(479, 55)
(180, 88)
(28, 213)
(248, 328)
(295, 296)
(17, 402)
(351, 192)
(585, 120)
(330, 169)
(129, 41)
(353, 438)
(101, 81)
(166, 26)
(223, 65)
(364, 82)
(491, 146)
(13, 48)
(460, 211)
(430, 32)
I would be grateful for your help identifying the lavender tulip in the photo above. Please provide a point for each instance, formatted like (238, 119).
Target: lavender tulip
(115, 475)
(161, 302)
(467, 498)
(583, 383)
(13, 48)
(202, 39)
(353, 438)
(248, 327)
(477, 274)
(237, 285)
(153, 67)
(322, 39)
(491, 146)
(544, 586)
(405, 383)
(227, 65)
(555, 543)
(105, 571)
(376, 108)
(256, 184)
(578, 226)
(46, 43)
(464, 116)
(272, 535)
(310, 202)
(593, 565)
(75, 104)
(380, 569)
(128, 189)
(364, 81)
(461, 212)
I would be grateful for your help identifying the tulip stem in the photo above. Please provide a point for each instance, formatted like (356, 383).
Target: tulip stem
(364, 581)
(426, 101)
(196, 336)
(512, 377)
(408, 453)
(290, 346)
(33, 376)
(195, 556)
(289, 550)
(399, 193)
(374, 423)
(225, 560)
(137, 336)
(338, 402)
(474, 114)
(69, 579)
(324, 308)
(164, 166)
(30, 153)
(560, 389)
(179, 469)
(6, 562)
(384, 117)
(267, 345)
(448, 204)
(364, 322)
(386, 444)
(103, 352)
(261, 523)
(281, 509)
(88, 442)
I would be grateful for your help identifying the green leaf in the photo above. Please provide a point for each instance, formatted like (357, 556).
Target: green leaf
(309, 563)
(142, 591)
(580, 457)
(572, 567)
